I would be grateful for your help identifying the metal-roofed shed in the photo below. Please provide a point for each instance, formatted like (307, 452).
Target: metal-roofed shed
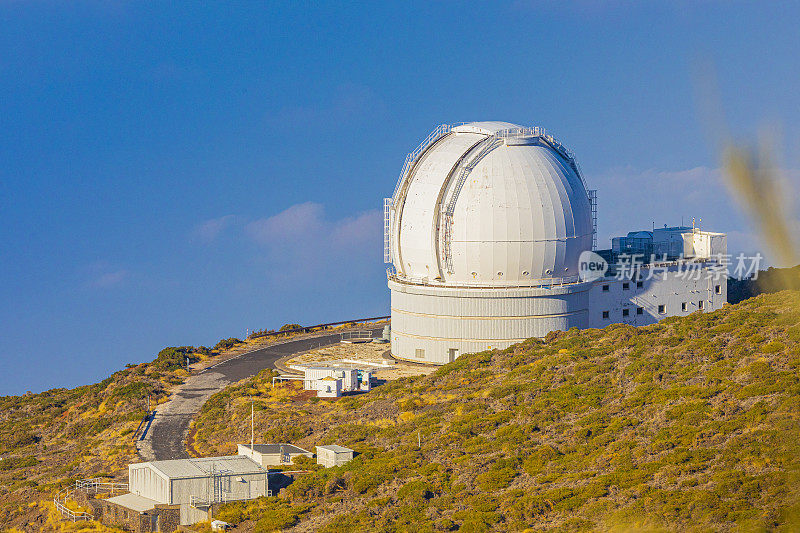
(208, 480)
(333, 455)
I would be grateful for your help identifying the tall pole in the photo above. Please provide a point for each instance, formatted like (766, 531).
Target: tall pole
(252, 431)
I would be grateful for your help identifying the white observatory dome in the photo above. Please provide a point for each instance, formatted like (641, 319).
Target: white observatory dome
(489, 204)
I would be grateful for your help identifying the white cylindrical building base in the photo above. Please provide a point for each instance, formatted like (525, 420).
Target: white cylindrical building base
(436, 324)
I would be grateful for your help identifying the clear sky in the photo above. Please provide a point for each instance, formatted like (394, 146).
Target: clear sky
(173, 173)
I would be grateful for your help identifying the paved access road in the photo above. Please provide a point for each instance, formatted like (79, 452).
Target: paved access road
(169, 430)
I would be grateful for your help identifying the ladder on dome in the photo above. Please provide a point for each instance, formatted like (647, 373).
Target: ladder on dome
(388, 203)
(593, 203)
(388, 212)
(488, 144)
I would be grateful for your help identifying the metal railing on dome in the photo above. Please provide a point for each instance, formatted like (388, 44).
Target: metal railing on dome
(443, 129)
(541, 283)
(551, 141)
(437, 132)
(390, 204)
(486, 146)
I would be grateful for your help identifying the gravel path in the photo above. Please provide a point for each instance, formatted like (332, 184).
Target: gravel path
(167, 435)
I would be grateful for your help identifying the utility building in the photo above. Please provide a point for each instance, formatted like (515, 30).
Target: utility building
(333, 455)
(196, 484)
(486, 231)
(332, 381)
(272, 454)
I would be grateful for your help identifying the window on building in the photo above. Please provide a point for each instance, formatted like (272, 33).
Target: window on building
(662, 309)
(700, 304)
(718, 289)
(420, 353)
(640, 310)
(605, 314)
(452, 353)
(683, 306)
(625, 312)
(605, 288)
(639, 284)
(626, 286)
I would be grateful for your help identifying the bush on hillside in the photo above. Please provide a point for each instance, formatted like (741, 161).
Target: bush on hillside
(225, 344)
(174, 357)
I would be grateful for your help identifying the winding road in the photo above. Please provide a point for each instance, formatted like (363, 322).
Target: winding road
(166, 437)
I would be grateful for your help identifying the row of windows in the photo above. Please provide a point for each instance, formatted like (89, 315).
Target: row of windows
(662, 309)
(626, 286)
(626, 312)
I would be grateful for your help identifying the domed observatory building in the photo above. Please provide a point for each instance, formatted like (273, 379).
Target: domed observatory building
(484, 231)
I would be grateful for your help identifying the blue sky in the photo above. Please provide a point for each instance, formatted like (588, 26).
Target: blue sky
(174, 173)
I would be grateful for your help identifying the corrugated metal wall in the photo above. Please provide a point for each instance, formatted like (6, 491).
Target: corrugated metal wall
(437, 324)
(235, 487)
(145, 482)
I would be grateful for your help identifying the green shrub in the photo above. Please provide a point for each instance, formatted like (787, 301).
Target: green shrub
(495, 479)
(275, 520)
(11, 463)
(174, 357)
(225, 344)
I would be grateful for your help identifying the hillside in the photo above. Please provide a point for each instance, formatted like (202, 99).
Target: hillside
(48, 440)
(768, 281)
(690, 424)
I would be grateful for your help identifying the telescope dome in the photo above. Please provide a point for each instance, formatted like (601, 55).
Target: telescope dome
(490, 204)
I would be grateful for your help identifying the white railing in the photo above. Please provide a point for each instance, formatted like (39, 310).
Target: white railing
(437, 132)
(357, 335)
(196, 502)
(60, 501)
(541, 283)
(535, 131)
(94, 485)
(489, 144)
(550, 140)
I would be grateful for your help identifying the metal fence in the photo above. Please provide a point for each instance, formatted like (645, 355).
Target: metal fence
(307, 328)
(93, 486)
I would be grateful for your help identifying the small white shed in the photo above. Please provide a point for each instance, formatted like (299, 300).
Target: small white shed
(333, 455)
(327, 387)
(348, 377)
(272, 454)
